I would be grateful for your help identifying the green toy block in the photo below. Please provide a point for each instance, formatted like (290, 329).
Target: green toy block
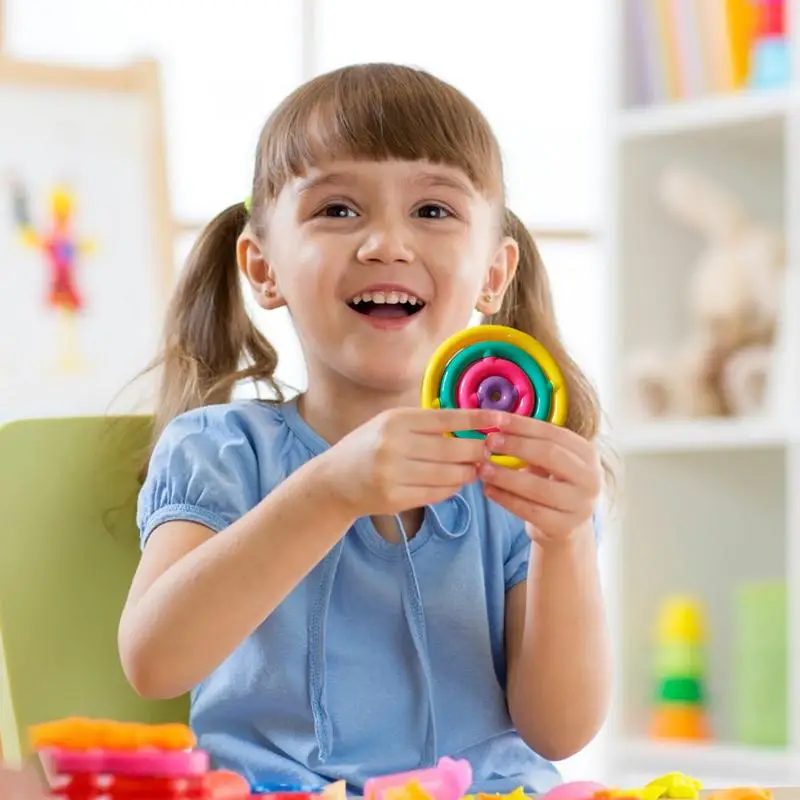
(760, 665)
(680, 690)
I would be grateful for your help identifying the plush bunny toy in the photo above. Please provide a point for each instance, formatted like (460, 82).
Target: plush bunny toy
(724, 365)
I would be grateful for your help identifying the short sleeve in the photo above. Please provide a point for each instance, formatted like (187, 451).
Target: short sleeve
(516, 563)
(203, 469)
(515, 567)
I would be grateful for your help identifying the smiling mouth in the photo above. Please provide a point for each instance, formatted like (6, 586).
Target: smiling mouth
(388, 305)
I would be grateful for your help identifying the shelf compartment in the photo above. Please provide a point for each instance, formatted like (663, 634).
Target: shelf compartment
(697, 435)
(701, 524)
(712, 114)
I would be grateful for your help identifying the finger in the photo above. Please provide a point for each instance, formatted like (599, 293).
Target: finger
(445, 420)
(431, 473)
(541, 517)
(444, 449)
(548, 456)
(560, 496)
(520, 425)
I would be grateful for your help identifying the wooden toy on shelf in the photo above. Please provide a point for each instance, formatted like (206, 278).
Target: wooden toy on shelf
(680, 704)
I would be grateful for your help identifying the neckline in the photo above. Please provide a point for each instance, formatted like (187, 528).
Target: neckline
(300, 428)
(377, 544)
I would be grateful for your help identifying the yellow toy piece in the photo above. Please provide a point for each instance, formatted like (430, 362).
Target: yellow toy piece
(517, 794)
(676, 786)
(335, 791)
(411, 791)
(515, 353)
(681, 620)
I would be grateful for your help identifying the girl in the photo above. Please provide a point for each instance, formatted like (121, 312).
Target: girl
(344, 590)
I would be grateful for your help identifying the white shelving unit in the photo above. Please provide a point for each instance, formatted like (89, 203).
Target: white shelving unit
(706, 505)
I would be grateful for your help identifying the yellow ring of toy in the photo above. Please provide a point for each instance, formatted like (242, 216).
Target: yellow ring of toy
(497, 333)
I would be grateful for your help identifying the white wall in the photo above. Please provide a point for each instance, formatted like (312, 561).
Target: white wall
(534, 70)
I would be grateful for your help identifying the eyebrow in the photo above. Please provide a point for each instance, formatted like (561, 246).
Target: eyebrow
(441, 179)
(307, 184)
(428, 178)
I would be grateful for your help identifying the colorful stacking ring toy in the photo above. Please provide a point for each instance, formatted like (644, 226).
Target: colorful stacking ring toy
(97, 759)
(496, 367)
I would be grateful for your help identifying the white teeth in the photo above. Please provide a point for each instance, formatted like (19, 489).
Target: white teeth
(381, 298)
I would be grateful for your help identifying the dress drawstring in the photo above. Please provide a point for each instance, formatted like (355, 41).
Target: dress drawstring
(415, 616)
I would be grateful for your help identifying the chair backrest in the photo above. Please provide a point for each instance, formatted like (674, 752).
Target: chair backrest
(68, 551)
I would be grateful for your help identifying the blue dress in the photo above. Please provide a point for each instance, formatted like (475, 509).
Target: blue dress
(385, 657)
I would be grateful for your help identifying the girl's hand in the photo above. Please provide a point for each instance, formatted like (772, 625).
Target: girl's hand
(557, 492)
(20, 784)
(401, 460)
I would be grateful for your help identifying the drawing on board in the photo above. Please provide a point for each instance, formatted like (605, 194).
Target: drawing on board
(62, 251)
(85, 236)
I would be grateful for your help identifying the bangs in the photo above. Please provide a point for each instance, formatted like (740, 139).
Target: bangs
(377, 112)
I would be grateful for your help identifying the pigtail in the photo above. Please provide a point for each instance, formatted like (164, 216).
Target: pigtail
(210, 343)
(528, 306)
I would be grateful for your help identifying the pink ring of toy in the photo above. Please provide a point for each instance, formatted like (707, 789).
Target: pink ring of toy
(491, 366)
(574, 790)
(144, 762)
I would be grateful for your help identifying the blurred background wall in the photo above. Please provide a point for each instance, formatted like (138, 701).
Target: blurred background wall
(224, 71)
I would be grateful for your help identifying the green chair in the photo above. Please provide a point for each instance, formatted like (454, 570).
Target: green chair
(68, 550)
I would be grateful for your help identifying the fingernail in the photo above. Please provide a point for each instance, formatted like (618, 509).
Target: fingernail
(486, 470)
(495, 440)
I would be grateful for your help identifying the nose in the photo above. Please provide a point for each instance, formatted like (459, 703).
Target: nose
(386, 242)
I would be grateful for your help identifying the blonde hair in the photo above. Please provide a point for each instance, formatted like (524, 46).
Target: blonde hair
(372, 112)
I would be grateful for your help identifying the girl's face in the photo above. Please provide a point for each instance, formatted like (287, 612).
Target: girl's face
(378, 263)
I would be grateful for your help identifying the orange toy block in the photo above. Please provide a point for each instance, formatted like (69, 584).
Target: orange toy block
(78, 733)
(687, 722)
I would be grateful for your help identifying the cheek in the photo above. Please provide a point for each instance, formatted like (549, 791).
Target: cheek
(464, 270)
(301, 269)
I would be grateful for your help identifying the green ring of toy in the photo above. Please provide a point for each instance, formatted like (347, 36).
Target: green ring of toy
(475, 352)
(680, 690)
(673, 659)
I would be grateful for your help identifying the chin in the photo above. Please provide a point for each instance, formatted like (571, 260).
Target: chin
(387, 378)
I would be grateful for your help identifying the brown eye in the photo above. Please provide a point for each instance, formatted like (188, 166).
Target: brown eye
(433, 211)
(337, 210)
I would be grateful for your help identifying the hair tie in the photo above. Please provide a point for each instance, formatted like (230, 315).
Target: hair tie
(248, 203)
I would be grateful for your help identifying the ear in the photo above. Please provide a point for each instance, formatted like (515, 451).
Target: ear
(499, 275)
(255, 267)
